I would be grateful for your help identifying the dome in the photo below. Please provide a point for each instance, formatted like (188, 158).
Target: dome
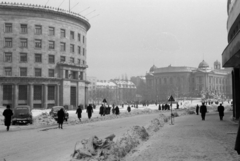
(203, 65)
(153, 68)
(216, 62)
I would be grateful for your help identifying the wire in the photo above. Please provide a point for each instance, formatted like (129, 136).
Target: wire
(47, 2)
(89, 13)
(74, 6)
(84, 10)
(61, 3)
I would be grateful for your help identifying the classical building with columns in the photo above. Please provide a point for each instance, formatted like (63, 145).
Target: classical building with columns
(42, 56)
(231, 54)
(183, 81)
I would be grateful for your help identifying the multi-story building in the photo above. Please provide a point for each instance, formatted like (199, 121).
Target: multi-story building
(187, 81)
(231, 54)
(42, 56)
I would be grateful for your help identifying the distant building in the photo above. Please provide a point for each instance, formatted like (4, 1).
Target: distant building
(231, 54)
(42, 56)
(182, 81)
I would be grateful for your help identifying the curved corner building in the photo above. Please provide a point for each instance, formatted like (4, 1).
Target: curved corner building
(231, 54)
(42, 56)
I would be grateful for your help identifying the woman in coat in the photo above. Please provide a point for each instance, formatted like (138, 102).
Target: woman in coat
(79, 112)
(61, 117)
(7, 113)
(117, 110)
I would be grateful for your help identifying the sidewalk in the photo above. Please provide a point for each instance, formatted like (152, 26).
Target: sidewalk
(192, 139)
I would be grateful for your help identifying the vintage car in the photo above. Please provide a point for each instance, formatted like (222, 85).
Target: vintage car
(22, 114)
(54, 111)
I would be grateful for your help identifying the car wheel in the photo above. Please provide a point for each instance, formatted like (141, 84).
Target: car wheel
(30, 122)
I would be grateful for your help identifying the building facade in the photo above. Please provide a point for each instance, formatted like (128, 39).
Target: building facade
(42, 56)
(188, 81)
(231, 54)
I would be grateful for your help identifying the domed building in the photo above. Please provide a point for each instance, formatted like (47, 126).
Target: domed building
(182, 81)
(42, 56)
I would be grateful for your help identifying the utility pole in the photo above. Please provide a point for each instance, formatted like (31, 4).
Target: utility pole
(69, 5)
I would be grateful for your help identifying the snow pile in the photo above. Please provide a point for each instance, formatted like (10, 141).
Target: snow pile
(44, 119)
(94, 149)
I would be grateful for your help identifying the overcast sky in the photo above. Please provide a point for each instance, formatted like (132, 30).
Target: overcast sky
(129, 36)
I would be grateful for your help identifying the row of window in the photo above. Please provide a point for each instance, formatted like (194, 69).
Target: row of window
(23, 92)
(38, 58)
(38, 45)
(39, 31)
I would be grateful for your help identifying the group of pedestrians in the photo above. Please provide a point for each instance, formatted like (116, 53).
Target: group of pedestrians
(164, 107)
(203, 111)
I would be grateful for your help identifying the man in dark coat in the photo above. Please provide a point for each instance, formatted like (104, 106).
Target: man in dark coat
(129, 108)
(79, 112)
(203, 110)
(221, 111)
(89, 111)
(101, 110)
(117, 110)
(197, 109)
(61, 117)
(177, 106)
(159, 107)
(7, 113)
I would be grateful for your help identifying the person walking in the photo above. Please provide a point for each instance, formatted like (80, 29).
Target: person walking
(61, 117)
(7, 113)
(159, 107)
(197, 109)
(117, 110)
(203, 111)
(101, 110)
(221, 111)
(89, 111)
(79, 112)
(177, 106)
(129, 108)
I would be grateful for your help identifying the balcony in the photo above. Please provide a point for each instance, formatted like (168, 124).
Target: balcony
(69, 64)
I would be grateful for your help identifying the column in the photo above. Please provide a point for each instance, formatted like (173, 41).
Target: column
(1, 94)
(15, 95)
(45, 96)
(57, 101)
(233, 95)
(30, 95)
(77, 93)
(237, 92)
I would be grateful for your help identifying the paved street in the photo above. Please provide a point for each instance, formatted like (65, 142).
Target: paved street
(192, 139)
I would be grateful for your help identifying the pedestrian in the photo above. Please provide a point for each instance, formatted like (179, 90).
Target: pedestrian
(117, 112)
(197, 109)
(159, 107)
(129, 108)
(89, 111)
(101, 110)
(113, 110)
(7, 113)
(79, 112)
(61, 117)
(177, 106)
(221, 111)
(203, 111)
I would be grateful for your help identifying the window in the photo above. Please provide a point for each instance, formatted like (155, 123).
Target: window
(79, 61)
(83, 62)
(71, 48)
(51, 92)
(37, 92)
(83, 39)
(7, 92)
(71, 35)
(51, 72)
(63, 46)
(22, 92)
(51, 44)
(74, 74)
(8, 57)
(8, 27)
(38, 43)
(66, 74)
(51, 59)
(62, 58)
(38, 29)
(8, 71)
(79, 37)
(81, 76)
(8, 42)
(38, 58)
(38, 72)
(51, 31)
(63, 33)
(23, 57)
(71, 60)
(23, 72)
(23, 43)
(79, 50)
(84, 52)
(24, 28)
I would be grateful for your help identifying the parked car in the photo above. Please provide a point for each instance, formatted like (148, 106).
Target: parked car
(54, 111)
(22, 114)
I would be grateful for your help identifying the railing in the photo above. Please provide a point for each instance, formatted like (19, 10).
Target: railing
(44, 8)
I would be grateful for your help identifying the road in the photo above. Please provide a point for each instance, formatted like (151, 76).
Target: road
(192, 139)
(57, 144)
